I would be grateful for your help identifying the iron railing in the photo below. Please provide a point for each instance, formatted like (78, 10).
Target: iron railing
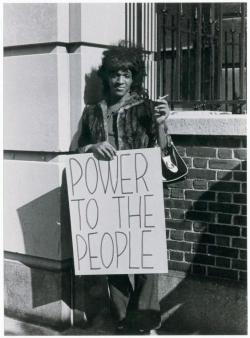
(194, 52)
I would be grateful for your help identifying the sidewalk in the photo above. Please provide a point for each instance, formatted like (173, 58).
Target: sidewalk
(13, 327)
(189, 306)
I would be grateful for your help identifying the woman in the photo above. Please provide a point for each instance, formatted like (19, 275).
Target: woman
(125, 119)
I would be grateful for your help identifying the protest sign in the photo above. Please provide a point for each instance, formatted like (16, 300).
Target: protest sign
(117, 213)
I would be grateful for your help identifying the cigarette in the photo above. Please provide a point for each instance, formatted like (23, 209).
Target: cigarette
(162, 97)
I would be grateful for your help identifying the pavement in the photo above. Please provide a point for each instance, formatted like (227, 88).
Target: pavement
(190, 306)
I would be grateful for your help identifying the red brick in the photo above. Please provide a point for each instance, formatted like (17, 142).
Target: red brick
(200, 184)
(200, 206)
(176, 203)
(224, 175)
(223, 262)
(224, 186)
(240, 220)
(224, 164)
(243, 276)
(200, 226)
(179, 266)
(224, 230)
(225, 208)
(243, 254)
(224, 218)
(200, 163)
(244, 188)
(166, 193)
(244, 209)
(200, 259)
(222, 273)
(201, 195)
(167, 234)
(181, 246)
(239, 243)
(188, 161)
(177, 193)
(222, 241)
(176, 255)
(201, 151)
(177, 235)
(222, 251)
(198, 269)
(185, 184)
(167, 213)
(202, 174)
(244, 232)
(177, 213)
(238, 264)
(224, 197)
(181, 150)
(200, 216)
(225, 153)
(240, 198)
(199, 248)
(167, 202)
(240, 176)
(199, 237)
(244, 165)
(240, 154)
(179, 224)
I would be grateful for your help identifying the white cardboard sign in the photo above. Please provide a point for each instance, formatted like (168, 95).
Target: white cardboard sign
(117, 213)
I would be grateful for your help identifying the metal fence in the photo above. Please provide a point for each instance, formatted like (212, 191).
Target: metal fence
(194, 52)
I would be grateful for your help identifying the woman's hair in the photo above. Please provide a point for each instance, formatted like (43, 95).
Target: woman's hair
(123, 58)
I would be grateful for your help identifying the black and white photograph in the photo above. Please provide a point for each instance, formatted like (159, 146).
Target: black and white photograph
(124, 168)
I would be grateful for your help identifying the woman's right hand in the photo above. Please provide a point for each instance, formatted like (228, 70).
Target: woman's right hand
(103, 150)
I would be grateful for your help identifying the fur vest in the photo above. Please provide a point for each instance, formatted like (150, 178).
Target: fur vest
(135, 124)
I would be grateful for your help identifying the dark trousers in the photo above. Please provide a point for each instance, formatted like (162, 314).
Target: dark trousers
(135, 300)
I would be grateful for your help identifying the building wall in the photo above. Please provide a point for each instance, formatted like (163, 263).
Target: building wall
(206, 213)
(51, 52)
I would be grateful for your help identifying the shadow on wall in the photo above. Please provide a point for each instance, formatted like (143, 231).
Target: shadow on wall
(92, 95)
(50, 285)
(199, 304)
(39, 223)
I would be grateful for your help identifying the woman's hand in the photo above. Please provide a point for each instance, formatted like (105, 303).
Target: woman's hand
(103, 150)
(161, 111)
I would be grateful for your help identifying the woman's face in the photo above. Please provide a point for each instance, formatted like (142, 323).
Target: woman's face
(120, 83)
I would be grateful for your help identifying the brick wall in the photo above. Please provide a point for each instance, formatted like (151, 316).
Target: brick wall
(206, 213)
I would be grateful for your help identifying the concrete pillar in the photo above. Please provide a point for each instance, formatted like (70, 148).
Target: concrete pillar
(50, 53)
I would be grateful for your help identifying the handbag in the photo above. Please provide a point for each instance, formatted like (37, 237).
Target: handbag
(173, 167)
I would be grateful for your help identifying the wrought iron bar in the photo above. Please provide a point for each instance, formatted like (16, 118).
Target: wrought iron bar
(126, 24)
(212, 55)
(233, 64)
(130, 23)
(242, 42)
(172, 63)
(198, 54)
(226, 70)
(158, 53)
(133, 6)
(188, 59)
(164, 54)
(178, 55)
(219, 52)
(139, 24)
